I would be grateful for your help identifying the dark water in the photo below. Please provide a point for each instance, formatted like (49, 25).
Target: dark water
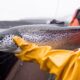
(7, 60)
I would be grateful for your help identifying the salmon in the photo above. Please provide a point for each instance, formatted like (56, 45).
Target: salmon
(41, 34)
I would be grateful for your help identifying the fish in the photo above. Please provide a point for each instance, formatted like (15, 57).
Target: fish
(41, 34)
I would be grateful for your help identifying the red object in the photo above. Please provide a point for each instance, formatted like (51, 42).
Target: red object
(75, 21)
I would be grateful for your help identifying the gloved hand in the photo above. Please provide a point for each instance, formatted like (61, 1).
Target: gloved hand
(65, 64)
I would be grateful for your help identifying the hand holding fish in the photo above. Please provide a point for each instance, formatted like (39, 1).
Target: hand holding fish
(64, 64)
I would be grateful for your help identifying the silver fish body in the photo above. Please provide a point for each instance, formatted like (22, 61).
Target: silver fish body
(52, 35)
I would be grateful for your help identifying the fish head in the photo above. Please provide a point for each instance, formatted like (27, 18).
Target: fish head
(7, 44)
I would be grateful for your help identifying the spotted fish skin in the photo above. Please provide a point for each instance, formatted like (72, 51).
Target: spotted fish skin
(7, 43)
(52, 35)
(60, 39)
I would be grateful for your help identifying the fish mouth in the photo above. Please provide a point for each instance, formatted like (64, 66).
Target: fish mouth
(4, 50)
(7, 49)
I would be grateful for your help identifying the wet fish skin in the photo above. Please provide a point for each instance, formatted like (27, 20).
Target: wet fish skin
(52, 35)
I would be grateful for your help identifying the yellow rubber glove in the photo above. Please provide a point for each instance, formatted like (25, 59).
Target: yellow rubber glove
(65, 64)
